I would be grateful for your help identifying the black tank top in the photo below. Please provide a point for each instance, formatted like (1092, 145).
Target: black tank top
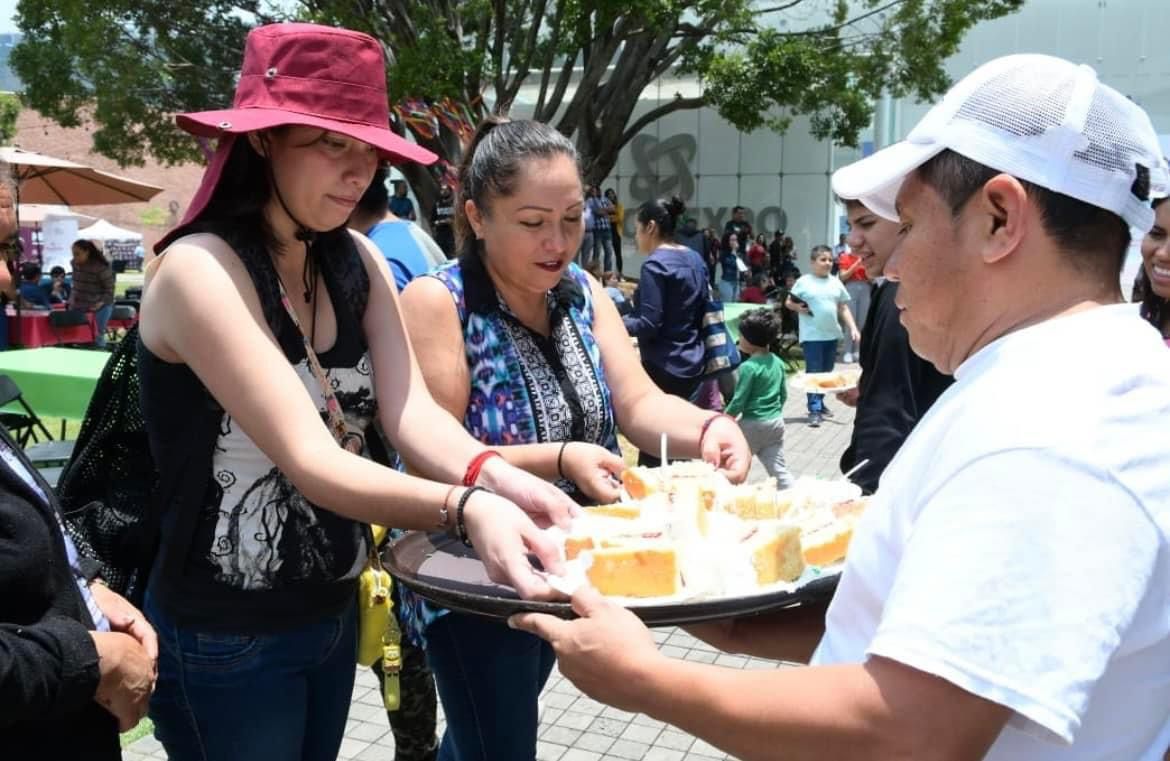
(242, 550)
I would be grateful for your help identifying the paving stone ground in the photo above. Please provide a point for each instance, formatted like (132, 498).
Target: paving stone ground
(572, 726)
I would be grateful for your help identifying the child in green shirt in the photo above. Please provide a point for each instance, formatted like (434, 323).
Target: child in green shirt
(760, 392)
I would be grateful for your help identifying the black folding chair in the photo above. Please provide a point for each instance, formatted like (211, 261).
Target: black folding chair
(22, 426)
(120, 311)
(68, 318)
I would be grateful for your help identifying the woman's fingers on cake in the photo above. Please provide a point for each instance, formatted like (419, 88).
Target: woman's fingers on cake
(725, 447)
(595, 470)
(504, 536)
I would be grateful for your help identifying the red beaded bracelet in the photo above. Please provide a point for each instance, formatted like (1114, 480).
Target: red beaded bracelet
(473, 469)
(707, 424)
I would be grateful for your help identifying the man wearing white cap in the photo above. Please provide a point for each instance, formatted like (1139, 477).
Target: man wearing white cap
(1007, 594)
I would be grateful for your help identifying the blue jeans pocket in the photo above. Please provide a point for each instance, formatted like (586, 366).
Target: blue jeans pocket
(209, 651)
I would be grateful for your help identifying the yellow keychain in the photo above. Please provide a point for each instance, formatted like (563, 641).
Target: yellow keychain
(392, 666)
(375, 608)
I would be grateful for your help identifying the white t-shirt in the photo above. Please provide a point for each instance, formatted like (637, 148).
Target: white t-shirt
(1019, 543)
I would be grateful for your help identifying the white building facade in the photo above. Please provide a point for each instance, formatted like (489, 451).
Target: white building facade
(783, 180)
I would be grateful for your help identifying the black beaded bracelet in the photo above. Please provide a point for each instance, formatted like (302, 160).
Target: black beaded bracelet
(460, 526)
(561, 459)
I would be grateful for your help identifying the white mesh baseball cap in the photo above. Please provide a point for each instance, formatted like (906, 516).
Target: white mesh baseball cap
(1037, 118)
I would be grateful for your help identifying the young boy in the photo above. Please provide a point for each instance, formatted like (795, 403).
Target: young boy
(760, 393)
(822, 303)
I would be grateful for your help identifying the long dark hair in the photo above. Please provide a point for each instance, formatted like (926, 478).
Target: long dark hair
(244, 191)
(494, 159)
(95, 253)
(1154, 308)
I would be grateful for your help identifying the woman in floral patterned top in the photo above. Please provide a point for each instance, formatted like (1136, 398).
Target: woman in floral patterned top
(524, 348)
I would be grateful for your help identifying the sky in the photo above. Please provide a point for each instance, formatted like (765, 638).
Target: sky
(7, 11)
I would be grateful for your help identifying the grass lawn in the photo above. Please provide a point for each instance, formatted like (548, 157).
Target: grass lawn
(127, 280)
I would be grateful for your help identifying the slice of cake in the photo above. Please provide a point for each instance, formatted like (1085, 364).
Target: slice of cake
(775, 552)
(623, 510)
(828, 543)
(637, 569)
(640, 482)
(752, 502)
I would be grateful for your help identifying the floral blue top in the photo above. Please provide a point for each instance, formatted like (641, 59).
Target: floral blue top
(525, 388)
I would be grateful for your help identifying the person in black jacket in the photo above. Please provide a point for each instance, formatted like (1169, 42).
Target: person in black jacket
(897, 386)
(77, 661)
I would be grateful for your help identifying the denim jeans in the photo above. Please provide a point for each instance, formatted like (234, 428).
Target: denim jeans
(585, 255)
(819, 357)
(603, 240)
(728, 291)
(101, 318)
(489, 679)
(859, 293)
(245, 696)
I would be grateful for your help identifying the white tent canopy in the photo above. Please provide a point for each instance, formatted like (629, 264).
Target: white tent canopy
(103, 230)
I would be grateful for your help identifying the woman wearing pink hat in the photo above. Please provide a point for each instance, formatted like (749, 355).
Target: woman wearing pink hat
(263, 308)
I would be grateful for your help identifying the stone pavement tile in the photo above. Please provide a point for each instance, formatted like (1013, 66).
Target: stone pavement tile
(580, 754)
(588, 705)
(550, 715)
(673, 651)
(563, 686)
(558, 700)
(560, 735)
(640, 733)
(704, 748)
(645, 721)
(575, 720)
(367, 731)
(546, 751)
(616, 713)
(376, 752)
(731, 661)
(658, 753)
(700, 656)
(367, 712)
(608, 727)
(628, 749)
(350, 748)
(675, 740)
(592, 741)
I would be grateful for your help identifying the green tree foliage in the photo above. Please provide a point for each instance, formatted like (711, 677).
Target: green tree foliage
(9, 110)
(128, 65)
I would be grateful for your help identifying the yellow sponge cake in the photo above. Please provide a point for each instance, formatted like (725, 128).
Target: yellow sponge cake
(645, 570)
(776, 553)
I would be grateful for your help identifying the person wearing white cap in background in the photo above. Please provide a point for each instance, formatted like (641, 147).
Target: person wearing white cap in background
(1007, 593)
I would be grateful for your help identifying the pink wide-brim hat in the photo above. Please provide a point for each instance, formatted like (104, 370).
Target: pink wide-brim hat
(304, 75)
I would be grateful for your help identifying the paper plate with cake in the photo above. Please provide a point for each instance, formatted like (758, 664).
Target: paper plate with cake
(826, 383)
(683, 546)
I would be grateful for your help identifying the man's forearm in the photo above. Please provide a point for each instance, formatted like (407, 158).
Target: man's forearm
(791, 634)
(791, 713)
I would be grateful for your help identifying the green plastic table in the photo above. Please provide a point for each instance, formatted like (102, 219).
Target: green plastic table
(55, 382)
(732, 312)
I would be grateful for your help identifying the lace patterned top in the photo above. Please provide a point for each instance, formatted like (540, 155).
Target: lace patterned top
(525, 388)
(246, 549)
